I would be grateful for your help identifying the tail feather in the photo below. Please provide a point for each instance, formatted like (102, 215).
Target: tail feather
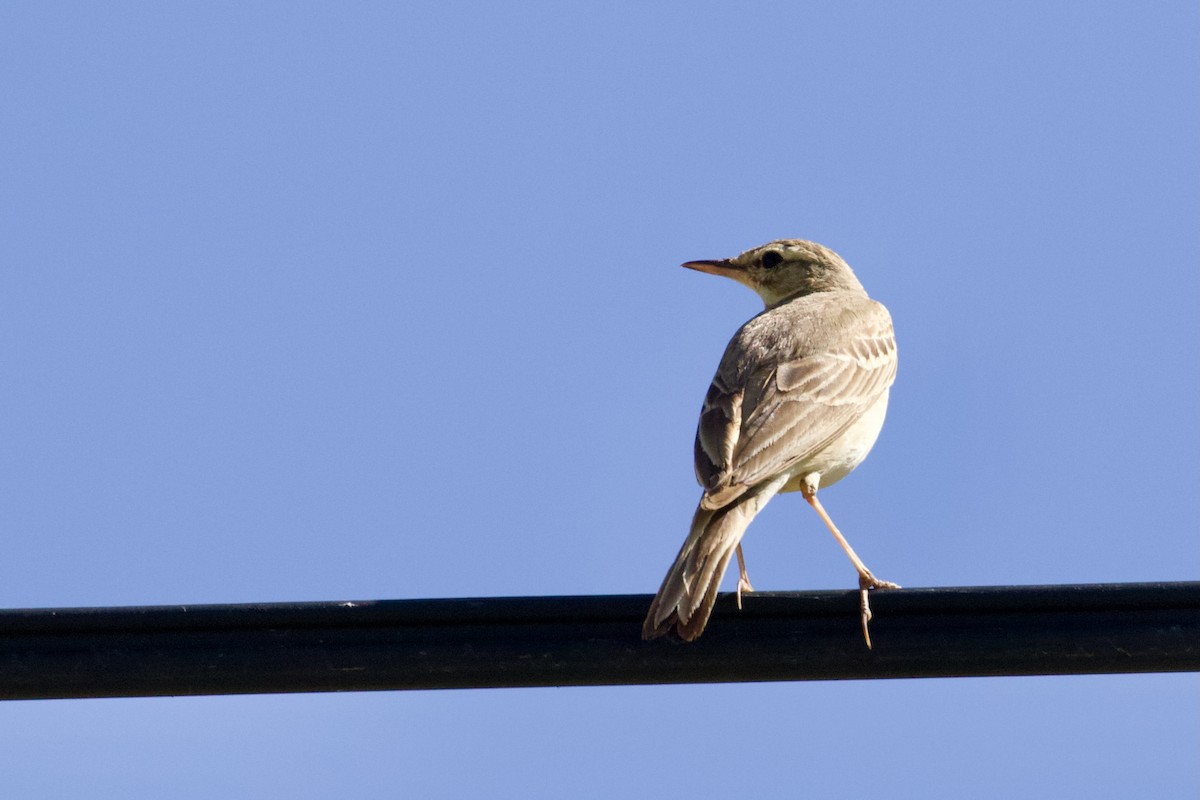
(685, 600)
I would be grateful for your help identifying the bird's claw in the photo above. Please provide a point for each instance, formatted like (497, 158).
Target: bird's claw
(867, 582)
(743, 586)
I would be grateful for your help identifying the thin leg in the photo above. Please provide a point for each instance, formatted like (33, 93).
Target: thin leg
(866, 579)
(743, 578)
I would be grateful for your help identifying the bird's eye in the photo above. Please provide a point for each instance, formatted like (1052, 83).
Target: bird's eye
(771, 259)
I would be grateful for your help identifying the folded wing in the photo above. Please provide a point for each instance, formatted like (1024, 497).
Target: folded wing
(761, 417)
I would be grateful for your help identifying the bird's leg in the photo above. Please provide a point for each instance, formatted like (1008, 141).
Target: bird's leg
(866, 579)
(743, 578)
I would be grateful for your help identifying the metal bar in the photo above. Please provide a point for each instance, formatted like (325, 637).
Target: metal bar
(576, 641)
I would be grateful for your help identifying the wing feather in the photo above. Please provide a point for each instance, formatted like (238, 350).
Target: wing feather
(773, 406)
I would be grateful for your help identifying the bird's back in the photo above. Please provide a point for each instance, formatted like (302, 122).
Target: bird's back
(791, 381)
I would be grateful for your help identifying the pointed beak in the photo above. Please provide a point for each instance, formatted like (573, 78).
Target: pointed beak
(723, 267)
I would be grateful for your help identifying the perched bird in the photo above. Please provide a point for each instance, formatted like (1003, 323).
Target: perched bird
(797, 403)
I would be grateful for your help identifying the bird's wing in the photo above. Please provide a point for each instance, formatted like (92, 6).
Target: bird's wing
(786, 404)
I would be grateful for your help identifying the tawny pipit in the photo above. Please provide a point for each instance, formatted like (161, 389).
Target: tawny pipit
(796, 404)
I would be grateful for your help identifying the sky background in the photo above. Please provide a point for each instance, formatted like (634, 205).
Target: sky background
(310, 301)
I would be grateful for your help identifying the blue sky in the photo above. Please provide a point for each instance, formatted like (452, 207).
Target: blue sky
(312, 302)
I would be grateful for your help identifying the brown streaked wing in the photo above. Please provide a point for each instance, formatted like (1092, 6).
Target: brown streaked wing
(717, 432)
(809, 402)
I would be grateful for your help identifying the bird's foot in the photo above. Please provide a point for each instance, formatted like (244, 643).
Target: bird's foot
(743, 586)
(867, 582)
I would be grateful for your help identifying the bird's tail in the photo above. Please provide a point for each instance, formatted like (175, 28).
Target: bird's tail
(685, 600)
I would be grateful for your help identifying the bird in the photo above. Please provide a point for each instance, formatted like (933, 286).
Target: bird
(797, 402)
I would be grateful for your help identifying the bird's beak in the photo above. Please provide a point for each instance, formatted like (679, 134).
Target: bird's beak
(724, 267)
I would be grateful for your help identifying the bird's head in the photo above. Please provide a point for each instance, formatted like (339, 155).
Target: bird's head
(785, 268)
